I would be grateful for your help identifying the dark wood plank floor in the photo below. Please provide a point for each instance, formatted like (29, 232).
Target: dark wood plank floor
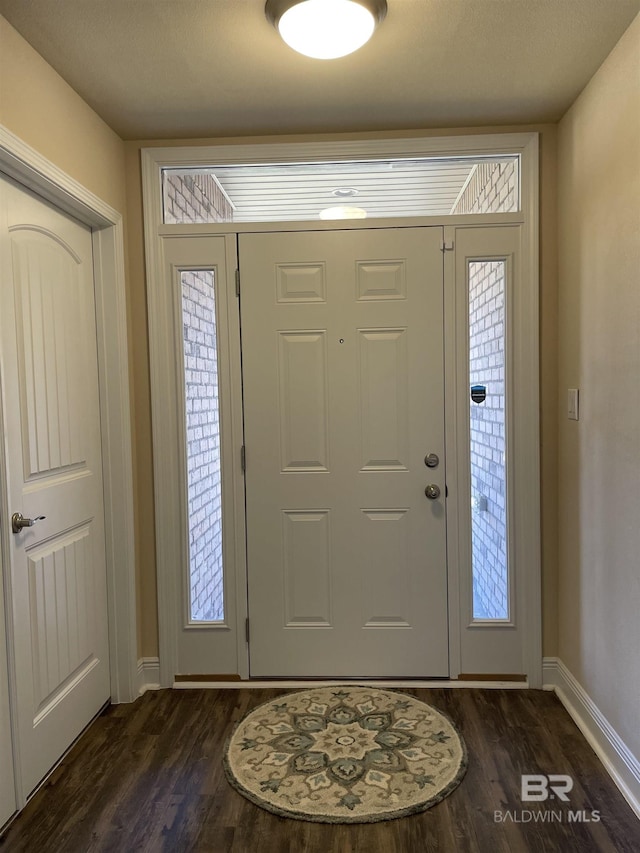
(149, 777)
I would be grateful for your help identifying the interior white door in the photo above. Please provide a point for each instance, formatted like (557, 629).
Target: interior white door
(52, 449)
(7, 780)
(342, 337)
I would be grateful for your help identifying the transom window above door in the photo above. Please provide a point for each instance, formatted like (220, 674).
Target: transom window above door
(424, 186)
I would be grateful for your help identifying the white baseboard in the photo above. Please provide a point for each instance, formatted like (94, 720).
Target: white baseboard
(621, 764)
(148, 677)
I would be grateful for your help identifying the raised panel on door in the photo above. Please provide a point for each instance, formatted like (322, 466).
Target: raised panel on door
(48, 311)
(343, 394)
(383, 384)
(306, 572)
(63, 629)
(7, 780)
(303, 400)
(383, 549)
(54, 462)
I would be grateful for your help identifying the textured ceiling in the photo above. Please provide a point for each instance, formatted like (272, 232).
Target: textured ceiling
(199, 68)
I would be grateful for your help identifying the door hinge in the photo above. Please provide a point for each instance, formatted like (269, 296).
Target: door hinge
(446, 246)
(237, 282)
(246, 628)
(243, 459)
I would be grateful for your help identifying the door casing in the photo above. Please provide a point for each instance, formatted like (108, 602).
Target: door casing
(527, 404)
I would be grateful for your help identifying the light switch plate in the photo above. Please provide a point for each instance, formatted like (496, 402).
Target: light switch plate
(572, 404)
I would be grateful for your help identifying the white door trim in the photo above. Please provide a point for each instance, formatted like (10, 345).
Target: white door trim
(167, 386)
(153, 160)
(25, 165)
(474, 642)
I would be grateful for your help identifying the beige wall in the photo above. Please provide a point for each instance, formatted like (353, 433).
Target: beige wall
(548, 285)
(599, 352)
(44, 111)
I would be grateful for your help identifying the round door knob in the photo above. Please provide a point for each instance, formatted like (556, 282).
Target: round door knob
(432, 492)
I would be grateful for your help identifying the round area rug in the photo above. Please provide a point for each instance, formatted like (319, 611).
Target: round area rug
(345, 755)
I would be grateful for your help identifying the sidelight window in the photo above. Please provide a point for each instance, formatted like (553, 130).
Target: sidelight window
(204, 487)
(487, 425)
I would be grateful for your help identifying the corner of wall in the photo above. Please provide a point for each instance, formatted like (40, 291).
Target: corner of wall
(618, 760)
(549, 386)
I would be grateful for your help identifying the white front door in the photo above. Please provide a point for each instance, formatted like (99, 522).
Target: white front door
(52, 449)
(342, 342)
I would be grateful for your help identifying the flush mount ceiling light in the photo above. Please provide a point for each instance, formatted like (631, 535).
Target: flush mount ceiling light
(325, 29)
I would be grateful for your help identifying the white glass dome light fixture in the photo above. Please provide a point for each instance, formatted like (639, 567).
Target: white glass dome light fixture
(326, 29)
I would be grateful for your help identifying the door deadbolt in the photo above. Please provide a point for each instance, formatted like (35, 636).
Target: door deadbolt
(432, 460)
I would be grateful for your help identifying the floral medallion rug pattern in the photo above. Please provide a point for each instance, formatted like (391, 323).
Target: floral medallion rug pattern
(345, 755)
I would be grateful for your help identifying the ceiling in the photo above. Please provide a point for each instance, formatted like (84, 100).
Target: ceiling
(175, 69)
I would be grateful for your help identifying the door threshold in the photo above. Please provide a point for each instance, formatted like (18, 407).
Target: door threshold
(234, 683)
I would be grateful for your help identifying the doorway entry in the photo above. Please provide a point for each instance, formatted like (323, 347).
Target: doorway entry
(359, 450)
(343, 379)
(199, 231)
